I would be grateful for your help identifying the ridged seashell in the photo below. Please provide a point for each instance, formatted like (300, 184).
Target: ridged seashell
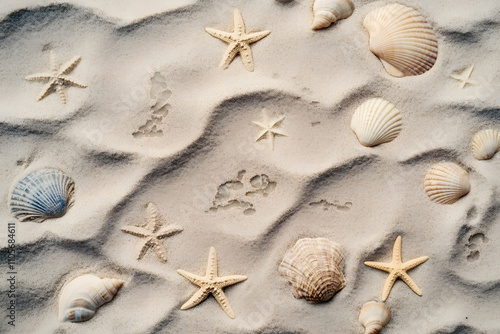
(446, 182)
(42, 194)
(376, 121)
(327, 12)
(402, 39)
(314, 269)
(485, 144)
(81, 298)
(374, 316)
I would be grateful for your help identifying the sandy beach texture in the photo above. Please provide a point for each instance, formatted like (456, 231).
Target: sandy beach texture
(160, 122)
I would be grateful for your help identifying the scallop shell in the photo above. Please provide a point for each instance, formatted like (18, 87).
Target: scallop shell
(485, 144)
(314, 269)
(327, 12)
(81, 298)
(402, 39)
(374, 316)
(446, 182)
(376, 121)
(42, 194)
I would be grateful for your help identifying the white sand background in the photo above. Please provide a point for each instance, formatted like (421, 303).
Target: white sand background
(316, 79)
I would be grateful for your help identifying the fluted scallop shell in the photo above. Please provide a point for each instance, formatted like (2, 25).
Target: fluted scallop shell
(376, 121)
(327, 12)
(403, 40)
(485, 144)
(314, 268)
(42, 194)
(446, 182)
(374, 316)
(81, 298)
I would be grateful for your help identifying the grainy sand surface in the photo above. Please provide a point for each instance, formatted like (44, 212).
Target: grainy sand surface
(160, 122)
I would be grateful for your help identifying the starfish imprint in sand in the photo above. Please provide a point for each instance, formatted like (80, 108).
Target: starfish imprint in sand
(239, 42)
(464, 77)
(57, 78)
(397, 269)
(152, 232)
(269, 130)
(211, 283)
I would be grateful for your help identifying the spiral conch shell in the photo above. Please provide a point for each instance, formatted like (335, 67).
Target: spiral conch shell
(374, 316)
(81, 298)
(402, 39)
(327, 12)
(314, 269)
(376, 121)
(446, 182)
(485, 144)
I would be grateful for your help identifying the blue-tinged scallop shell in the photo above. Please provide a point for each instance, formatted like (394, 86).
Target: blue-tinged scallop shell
(42, 194)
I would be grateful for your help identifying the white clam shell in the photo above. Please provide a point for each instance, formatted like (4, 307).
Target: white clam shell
(485, 144)
(42, 194)
(446, 182)
(314, 268)
(327, 12)
(81, 298)
(376, 121)
(403, 40)
(374, 316)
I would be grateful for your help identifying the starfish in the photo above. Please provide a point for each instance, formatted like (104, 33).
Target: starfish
(57, 79)
(239, 42)
(268, 129)
(211, 283)
(464, 77)
(153, 233)
(397, 269)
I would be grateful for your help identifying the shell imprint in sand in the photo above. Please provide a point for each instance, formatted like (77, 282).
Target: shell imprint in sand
(376, 121)
(42, 194)
(314, 268)
(446, 182)
(81, 298)
(327, 12)
(374, 316)
(402, 39)
(485, 144)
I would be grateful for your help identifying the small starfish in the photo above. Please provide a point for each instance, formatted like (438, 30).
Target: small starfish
(239, 42)
(397, 269)
(268, 129)
(464, 77)
(57, 79)
(153, 233)
(211, 283)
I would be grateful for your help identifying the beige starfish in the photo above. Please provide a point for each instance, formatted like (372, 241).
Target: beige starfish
(397, 269)
(211, 283)
(268, 129)
(57, 78)
(153, 233)
(464, 77)
(239, 42)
